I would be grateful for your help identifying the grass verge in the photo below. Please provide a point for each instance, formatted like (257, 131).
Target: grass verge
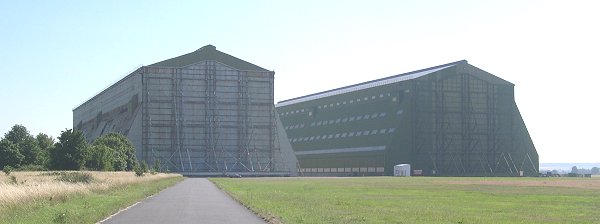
(83, 208)
(418, 200)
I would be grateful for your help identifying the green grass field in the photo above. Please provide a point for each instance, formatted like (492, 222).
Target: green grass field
(83, 208)
(419, 199)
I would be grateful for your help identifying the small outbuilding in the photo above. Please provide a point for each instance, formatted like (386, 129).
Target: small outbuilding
(402, 170)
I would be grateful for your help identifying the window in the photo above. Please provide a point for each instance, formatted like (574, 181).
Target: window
(338, 120)
(373, 97)
(374, 115)
(391, 130)
(382, 131)
(344, 135)
(337, 136)
(319, 107)
(381, 95)
(330, 121)
(312, 124)
(331, 105)
(374, 132)
(365, 132)
(330, 136)
(351, 119)
(305, 138)
(399, 112)
(319, 123)
(337, 104)
(344, 103)
(324, 106)
(358, 133)
(302, 126)
(318, 137)
(311, 138)
(382, 114)
(366, 98)
(358, 118)
(344, 120)
(351, 101)
(358, 100)
(351, 134)
(324, 137)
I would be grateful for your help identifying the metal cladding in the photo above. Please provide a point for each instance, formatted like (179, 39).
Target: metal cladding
(448, 120)
(203, 113)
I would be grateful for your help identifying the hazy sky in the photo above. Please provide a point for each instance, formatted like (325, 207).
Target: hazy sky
(54, 55)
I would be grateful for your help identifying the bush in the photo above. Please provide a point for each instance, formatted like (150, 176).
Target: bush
(7, 170)
(13, 179)
(138, 171)
(156, 165)
(75, 177)
(144, 166)
(101, 158)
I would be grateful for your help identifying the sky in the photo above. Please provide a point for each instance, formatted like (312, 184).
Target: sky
(54, 55)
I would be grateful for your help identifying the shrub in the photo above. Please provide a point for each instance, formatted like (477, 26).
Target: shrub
(75, 177)
(144, 166)
(7, 170)
(138, 170)
(13, 179)
(156, 166)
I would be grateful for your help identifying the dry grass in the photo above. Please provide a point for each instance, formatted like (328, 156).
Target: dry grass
(33, 186)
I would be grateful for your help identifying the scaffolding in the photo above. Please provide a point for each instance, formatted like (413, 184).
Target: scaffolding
(209, 119)
(463, 126)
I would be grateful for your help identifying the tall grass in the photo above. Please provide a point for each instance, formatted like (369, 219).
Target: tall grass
(32, 186)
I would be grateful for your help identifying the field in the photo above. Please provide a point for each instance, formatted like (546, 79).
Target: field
(38, 197)
(419, 199)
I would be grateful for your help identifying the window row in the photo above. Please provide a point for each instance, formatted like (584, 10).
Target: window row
(343, 135)
(357, 100)
(343, 170)
(341, 120)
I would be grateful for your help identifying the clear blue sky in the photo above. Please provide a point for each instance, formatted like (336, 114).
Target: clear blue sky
(56, 54)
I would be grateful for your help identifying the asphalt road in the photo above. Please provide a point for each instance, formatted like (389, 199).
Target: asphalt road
(194, 200)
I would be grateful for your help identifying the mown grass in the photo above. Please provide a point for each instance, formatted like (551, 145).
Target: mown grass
(88, 207)
(418, 199)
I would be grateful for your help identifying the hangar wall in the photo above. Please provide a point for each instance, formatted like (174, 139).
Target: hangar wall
(202, 113)
(449, 120)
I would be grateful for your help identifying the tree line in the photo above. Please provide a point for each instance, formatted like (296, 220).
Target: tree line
(70, 151)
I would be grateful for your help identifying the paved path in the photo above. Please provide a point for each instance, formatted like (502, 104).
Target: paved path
(194, 200)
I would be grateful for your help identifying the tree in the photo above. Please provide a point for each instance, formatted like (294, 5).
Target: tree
(9, 154)
(574, 169)
(124, 155)
(101, 158)
(70, 152)
(595, 171)
(45, 143)
(26, 144)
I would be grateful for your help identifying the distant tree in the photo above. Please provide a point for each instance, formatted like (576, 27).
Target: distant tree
(595, 171)
(70, 152)
(101, 158)
(9, 154)
(574, 169)
(26, 144)
(45, 143)
(124, 152)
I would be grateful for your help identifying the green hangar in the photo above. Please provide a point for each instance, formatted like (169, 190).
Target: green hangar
(449, 120)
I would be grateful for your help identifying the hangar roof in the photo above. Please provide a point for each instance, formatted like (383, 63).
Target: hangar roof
(208, 52)
(369, 84)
